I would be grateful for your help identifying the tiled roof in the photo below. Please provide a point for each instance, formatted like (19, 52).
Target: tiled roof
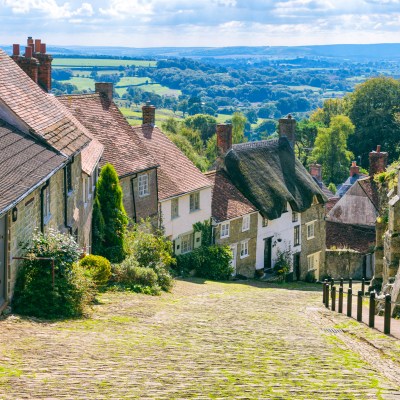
(177, 175)
(331, 203)
(349, 236)
(40, 112)
(227, 201)
(371, 190)
(24, 163)
(122, 148)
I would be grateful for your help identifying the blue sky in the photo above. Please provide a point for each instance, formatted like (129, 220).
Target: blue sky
(154, 23)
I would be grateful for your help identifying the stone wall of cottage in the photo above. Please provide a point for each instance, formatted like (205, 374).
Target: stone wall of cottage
(244, 266)
(136, 206)
(318, 243)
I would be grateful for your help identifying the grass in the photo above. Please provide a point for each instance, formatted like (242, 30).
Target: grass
(134, 117)
(81, 83)
(98, 62)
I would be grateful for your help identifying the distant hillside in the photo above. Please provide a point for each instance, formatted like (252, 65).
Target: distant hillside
(384, 51)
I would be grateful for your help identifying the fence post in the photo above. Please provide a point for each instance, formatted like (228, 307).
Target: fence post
(332, 282)
(333, 298)
(327, 296)
(388, 312)
(371, 309)
(341, 299)
(349, 301)
(341, 282)
(363, 285)
(324, 291)
(359, 305)
(350, 283)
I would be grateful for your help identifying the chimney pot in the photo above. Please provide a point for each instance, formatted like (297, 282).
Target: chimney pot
(354, 169)
(287, 127)
(43, 48)
(29, 41)
(105, 89)
(16, 50)
(37, 45)
(378, 148)
(149, 114)
(377, 161)
(28, 52)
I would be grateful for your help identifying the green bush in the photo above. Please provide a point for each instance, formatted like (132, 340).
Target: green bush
(310, 277)
(35, 294)
(98, 268)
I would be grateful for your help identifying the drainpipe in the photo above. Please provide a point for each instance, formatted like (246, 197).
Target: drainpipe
(43, 188)
(133, 198)
(69, 227)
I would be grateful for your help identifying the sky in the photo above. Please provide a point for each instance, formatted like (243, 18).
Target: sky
(210, 23)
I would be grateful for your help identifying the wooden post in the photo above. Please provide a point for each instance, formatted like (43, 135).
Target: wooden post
(349, 301)
(332, 282)
(350, 283)
(372, 310)
(341, 299)
(341, 282)
(388, 312)
(363, 286)
(324, 291)
(359, 305)
(327, 296)
(333, 298)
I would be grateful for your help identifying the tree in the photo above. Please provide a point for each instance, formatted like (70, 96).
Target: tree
(109, 196)
(205, 124)
(330, 108)
(374, 108)
(331, 149)
(97, 228)
(306, 133)
(238, 127)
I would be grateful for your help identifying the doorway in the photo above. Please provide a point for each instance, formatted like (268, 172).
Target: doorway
(267, 253)
(296, 266)
(234, 257)
(2, 258)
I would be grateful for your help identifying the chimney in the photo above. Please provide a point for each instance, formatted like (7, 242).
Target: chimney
(44, 74)
(354, 169)
(316, 171)
(26, 62)
(224, 138)
(377, 161)
(287, 127)
(105, 89)
(16, 50)
(37, 45)
(149, 114)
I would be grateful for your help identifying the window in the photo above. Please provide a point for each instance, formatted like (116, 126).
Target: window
(244, 249)
(264, 222)
(313, 261)
(69, 177)
(175, 208)
(246, 223)
(225, 230)
(195, 201)
(297, 235)
(46, 204)
(310, 230)
(143, 184)
(85, 189)
(295, 216)
(88, 188)
(187, 243)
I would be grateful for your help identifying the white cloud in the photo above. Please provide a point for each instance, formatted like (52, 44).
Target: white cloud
(128, 8)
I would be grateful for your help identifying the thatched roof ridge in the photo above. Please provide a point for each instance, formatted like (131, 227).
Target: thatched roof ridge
(269, 175)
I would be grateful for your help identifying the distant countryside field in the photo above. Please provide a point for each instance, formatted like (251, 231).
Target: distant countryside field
(99, 62)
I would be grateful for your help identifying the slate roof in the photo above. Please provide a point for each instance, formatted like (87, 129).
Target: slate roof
(122, 147)
(41, 113)
(324, 189)
(342, 189)
(177, 175)
(24, 163)
(227, 201)
(370, 188)
(269, 175)
(349, 236)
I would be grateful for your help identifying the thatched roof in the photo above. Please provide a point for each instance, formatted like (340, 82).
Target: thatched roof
(269, 175)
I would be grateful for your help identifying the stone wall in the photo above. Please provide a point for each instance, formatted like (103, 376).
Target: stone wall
(317, 244)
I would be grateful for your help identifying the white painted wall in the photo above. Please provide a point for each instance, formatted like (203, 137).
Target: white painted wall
(184, 223)
(280, 228)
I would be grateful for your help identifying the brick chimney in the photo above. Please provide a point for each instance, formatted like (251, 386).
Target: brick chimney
(377, 161)
(287, 127)
(224, 138)
(105, 89)
(354, 169)
(149, 114)
(316, 171)
(35, 62)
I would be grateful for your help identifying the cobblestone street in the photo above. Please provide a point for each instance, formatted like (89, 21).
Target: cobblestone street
(204, 341)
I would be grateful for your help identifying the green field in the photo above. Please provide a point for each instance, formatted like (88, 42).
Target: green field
(134, 116)
(81, 83)
(99, 62)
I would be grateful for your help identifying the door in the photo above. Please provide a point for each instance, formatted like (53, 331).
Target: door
(234, 256)
(296, 266)
(267, 253)
(2, 258)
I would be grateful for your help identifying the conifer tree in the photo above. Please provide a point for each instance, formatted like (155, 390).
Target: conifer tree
(97, 228)
(109, 195)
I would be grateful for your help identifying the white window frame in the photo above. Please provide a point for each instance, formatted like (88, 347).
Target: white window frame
(244, 249)
(46, 204)
(246, 223)
(313, 261)
(143, 185)
(310, 226)
(186, 243)
(225, 228)
(194, 202)
(175, 208)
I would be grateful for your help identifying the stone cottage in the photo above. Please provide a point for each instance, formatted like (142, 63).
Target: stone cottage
(290, 204)
(136, 168)
(48, 161)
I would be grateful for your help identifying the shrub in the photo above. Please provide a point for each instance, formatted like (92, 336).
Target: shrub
(98, 268)
(310, 277)
(35, 294)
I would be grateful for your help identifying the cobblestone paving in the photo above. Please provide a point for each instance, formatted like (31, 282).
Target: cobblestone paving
(203, 341)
